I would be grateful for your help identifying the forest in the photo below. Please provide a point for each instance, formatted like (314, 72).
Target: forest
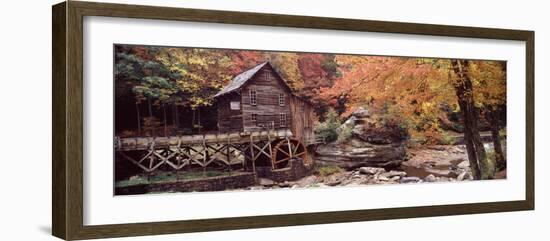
(163, 91)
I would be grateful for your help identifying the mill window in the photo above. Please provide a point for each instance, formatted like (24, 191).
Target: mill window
(281, 99)
(253, 99)
(255, 119)
(282, 120)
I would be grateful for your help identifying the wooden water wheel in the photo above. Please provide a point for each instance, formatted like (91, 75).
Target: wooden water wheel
(286, 149)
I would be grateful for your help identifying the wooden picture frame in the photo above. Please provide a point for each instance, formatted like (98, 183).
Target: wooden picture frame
(67, 76)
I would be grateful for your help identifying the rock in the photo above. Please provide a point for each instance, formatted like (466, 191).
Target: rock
(430, 178)
(266, 182)
(409, 180)
(335, 179)
(437, 148)
(443, 179)
(361, 112)
(463, 164)
(358, 131)
(350, 121)
(355, 176)
(370, 144)
(357, 153)
(393, 173)
(348, 124)
(395, 178)
(371, 170)
(135, 177)
(463, 176)
(438, 172)
(306, 181)
(382, 178)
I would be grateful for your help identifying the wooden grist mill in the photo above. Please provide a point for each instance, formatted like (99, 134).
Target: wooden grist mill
(260, 124)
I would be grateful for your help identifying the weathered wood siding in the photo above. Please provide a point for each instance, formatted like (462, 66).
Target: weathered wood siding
(268, 86)
(229, 120)
(303, 118)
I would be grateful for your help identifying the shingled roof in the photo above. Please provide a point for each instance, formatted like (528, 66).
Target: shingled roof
(240, 80)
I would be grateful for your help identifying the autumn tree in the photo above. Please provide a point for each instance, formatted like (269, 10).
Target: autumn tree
(242, 60)
(417, 94)
(465, 96)
(489, 81)
(198, 75)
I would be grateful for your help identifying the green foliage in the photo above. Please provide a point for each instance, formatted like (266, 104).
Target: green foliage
(502, 133)
(167, 177)
(491, 163)
(446, 139)
(328, 170)
(328, 128)
(344, 133)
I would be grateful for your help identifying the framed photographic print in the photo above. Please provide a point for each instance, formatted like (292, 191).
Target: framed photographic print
(171, 120)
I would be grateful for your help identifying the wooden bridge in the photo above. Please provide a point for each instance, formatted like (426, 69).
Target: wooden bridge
(273, 147)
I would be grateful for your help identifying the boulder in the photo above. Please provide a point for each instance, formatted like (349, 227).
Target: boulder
(463, 164)
(335, 179)
(440, 172)
(371, 170)
(410, 180)
(348, 124)
(430, 178)
(393, 173)
(395, 178)
(306, 181)
(360, 154)
(361, 112)
(370, 144)
(382, 178)
(377, 135)
(443, 179)
(464, 176)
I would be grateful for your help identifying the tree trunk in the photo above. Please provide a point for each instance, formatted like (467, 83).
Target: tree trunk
(138, 119)
(193, 122)
(464, 92)
(500, 158)
(199, 118)
(164, 120)
(177, 116)
(173, 108)
(150, 106)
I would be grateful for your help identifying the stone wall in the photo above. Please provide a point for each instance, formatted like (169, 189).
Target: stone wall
(295, 170)
(236, 181)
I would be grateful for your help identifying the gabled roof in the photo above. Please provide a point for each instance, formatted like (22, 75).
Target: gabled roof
(242, 78)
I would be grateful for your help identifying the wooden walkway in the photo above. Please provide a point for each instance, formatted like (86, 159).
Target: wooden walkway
(177, 152)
